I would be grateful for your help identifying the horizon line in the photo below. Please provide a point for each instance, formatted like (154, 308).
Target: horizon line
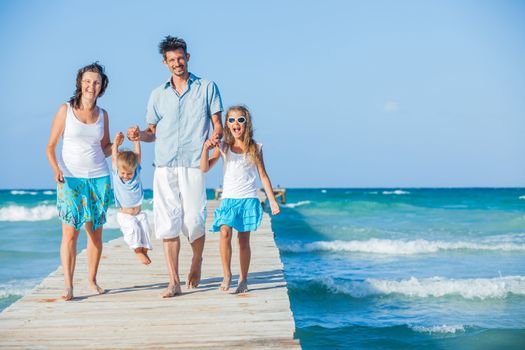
(326, 188)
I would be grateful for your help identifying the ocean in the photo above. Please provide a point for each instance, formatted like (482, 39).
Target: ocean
(366, 268)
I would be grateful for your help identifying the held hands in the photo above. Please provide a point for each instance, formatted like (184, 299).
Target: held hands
(215, 138)
(275, 208)
(134, 133)
(119, 138)
(208, 144)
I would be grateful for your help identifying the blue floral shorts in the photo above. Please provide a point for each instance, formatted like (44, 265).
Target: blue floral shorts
(84, 200)
(244, 214)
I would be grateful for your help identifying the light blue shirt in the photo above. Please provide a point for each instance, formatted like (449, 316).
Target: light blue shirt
(183, 121)
(128, 194)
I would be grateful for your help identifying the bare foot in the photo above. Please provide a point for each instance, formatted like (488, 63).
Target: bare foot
(171, 291)
(145, 251)
(143, 258)
(95, 287)
(225, 285)
(242, 287)
(194, 277)
(68, 294)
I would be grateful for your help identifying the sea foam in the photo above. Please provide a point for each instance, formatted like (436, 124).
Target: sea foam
(397, 247)
(298, 204)
(475, 288)
(396, 192)
(21, 213)
(20, 192)
(48, 212)
(17, 287)
(439, 329)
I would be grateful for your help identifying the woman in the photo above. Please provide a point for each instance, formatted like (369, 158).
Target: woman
(81, 172)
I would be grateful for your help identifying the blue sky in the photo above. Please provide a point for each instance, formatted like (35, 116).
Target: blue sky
(343, 93)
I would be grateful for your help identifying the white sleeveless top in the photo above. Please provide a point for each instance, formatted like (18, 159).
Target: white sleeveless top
(82, 154)
(240, 174)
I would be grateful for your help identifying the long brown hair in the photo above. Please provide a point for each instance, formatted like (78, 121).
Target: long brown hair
(95, 68)
(247, 137)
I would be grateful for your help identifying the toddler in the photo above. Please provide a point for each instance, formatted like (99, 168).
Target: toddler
(128, 198)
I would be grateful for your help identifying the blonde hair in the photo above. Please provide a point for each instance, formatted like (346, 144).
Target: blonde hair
(247, 137)
(127, 159)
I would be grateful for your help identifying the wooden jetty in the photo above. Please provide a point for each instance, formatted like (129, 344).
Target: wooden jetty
(132, 314)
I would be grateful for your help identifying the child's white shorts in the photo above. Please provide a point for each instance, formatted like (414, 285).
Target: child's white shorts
(179, 202)
(135, 229)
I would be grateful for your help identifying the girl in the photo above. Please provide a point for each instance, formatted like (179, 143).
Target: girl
(240, 208)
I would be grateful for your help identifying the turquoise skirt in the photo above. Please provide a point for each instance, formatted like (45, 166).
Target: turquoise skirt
(243, 214)
(84, 200)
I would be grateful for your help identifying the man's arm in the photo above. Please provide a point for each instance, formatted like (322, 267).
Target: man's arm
(146, 135)
(217, 128)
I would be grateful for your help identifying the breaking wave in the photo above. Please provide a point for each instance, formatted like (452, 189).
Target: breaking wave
(298, 204)
(397, 247)
(437, 287)
(396, 192)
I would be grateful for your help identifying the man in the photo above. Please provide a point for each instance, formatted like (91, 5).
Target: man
(178, 116)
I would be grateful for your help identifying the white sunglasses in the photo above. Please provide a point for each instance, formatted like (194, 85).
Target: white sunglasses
(240, 120)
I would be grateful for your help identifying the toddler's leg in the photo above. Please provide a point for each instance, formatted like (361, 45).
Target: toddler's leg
(245, 255)
(226, 256)
(145, 252)
(143, 227)
(143, 258)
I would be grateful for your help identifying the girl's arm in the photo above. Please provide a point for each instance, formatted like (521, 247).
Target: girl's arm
(106, 142)
(208, 162)
(56, 132)
(119, 138)
(267, 185)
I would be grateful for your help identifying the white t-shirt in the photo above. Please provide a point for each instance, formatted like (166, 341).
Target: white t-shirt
(240, 174)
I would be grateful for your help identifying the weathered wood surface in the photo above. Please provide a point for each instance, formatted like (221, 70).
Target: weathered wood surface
(133, 315)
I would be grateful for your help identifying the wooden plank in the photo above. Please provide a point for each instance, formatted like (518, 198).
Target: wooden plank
(132, 314)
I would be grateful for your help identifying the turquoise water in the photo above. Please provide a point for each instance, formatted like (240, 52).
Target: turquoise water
(367, 269)
(405, 269)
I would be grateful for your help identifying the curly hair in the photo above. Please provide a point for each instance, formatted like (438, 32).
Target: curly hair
(171, 43)
(94, 67)
(247, 137)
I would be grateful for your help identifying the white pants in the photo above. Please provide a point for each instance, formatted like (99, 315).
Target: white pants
(135, 229)
(179, 202)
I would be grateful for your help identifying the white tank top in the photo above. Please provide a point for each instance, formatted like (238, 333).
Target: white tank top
(82, 154)
(240, 174)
